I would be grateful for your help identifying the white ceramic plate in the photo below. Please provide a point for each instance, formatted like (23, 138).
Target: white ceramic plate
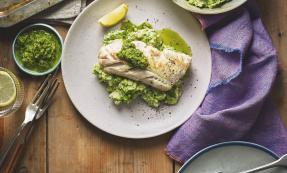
(90, 97)
(222, 9)
(231, 157)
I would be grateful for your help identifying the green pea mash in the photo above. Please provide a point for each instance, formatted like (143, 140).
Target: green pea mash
(207, 3)
(122, 90)
(38, 50)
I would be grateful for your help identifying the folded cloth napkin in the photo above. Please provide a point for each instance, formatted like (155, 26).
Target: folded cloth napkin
(237, 105)
(62, 13)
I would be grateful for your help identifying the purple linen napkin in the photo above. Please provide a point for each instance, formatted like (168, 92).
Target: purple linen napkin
(236, 107)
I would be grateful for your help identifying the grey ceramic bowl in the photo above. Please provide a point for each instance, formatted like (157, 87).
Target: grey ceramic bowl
(48, 28)
(231, 157)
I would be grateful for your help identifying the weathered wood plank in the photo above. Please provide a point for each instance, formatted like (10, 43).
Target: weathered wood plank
(76, 146)
(34, 159)
(1, 119)
(274, 16)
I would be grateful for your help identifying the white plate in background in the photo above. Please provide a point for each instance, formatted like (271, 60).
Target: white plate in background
(222, 9)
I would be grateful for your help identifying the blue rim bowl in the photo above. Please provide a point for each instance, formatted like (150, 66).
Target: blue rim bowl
(37, 25)
(241, 143)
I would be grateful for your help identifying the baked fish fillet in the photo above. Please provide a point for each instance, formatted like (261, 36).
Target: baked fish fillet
(164, 70)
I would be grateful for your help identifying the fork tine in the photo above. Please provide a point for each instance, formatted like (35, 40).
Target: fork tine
(42, 86)
(52, 91)
(44, 93)
(45, 82)
(37, 112)
(48, 100)
(49, 90)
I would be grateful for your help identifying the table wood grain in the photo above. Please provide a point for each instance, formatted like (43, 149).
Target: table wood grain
(63, 141)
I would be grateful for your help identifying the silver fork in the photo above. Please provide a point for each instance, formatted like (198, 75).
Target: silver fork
(38, 106)
(282, 162)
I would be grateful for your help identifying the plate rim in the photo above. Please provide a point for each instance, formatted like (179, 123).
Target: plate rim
(107, 130)
(223, 144)
(208, 11)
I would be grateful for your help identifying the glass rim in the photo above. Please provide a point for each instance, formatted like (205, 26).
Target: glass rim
(6, 111)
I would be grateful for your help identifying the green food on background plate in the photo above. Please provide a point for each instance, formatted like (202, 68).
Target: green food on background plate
(123, 90)
(207, 3)
(38, 50)
(131, 32)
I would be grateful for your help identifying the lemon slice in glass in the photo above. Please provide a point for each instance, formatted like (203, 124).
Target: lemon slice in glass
(7, 89)
(114, 16)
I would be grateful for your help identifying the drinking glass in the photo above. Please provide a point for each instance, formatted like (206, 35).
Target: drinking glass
(4, 111)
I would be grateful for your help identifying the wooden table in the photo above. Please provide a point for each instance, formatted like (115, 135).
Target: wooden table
(64, 142)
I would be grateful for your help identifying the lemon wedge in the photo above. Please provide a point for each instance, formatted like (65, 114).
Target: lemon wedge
(114, 16)
(7, 89)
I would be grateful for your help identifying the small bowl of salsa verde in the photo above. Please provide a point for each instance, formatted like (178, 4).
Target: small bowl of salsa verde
(37, 49)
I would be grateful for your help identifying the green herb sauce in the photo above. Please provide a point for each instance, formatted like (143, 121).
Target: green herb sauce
(38, 50)
(135, 57)
(172, 39)
(207, 3)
